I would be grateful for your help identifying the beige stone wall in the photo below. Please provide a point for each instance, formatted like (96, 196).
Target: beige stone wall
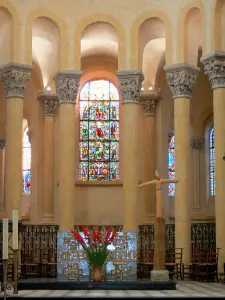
(105, 204)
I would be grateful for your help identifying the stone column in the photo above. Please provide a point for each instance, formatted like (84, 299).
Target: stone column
(182, 78)
(67, 84)
(130, 87)
(2, 171)
(15, 77)
(49, 104)
(196, 143)
(149, 102)
(215, 69)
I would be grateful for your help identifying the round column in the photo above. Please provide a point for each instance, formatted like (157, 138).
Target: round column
(182, 78)
(15, 77)
(67, 84)
(49, 104)
(130, 87)
(2, 167)
(149, 103)
(215, 69)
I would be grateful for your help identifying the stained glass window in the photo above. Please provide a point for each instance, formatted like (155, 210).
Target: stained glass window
(99, 131)
(211, 162)
(26, 162)
(171, 165)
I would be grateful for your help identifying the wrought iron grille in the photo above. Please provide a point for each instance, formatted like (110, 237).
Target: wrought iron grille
(203, 235)
(39, 251)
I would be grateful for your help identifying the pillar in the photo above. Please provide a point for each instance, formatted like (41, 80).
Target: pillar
(130, 87)
(2, 165)
(196, 143)
(215, 69)
(149, 103)
(49, 104)
(67, 84)
(182, 78)
(15, 77)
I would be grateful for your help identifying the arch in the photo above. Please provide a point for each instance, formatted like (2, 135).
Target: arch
(134, 63)
(80, 27)
(160, 77)
(99, 131)
(181, 34)
(16, 32)
(63, 43)
(217, 26)
(204, 117)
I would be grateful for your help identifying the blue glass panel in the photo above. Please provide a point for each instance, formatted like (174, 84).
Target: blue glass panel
(26, 182)
(171, 165)
(212, 162)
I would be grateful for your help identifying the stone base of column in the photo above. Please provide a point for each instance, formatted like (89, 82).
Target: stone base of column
(160, 275)
(148, 219)
(48, 219)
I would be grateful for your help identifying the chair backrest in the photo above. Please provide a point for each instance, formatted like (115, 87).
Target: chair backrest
(213, 255)
(174, 255)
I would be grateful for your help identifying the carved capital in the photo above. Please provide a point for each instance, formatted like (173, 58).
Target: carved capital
(196, 142)
(181, 79)
(15, 77)
(130, 85)
(2, 142)
(49, 103)
(149, 103)
(215, 68)
(67, 85)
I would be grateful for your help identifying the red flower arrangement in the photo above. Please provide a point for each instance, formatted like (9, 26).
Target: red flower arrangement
(95, 244)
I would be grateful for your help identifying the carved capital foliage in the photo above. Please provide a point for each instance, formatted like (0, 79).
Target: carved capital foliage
(49, 103)
(130, 85)
(149, 103)
(67, 85)
(2, 142)
(15, 77)
(196, 142)
(215, 68)
(181, 79)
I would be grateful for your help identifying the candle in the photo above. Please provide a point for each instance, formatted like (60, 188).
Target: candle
(15, 229)
(5, 238)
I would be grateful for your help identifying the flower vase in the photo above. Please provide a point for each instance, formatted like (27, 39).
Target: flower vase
(97, 273)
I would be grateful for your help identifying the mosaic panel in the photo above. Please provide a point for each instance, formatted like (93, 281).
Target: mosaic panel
(72, 263)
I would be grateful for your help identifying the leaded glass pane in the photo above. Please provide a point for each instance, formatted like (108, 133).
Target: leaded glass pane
(171, 165)
(212, 162)
(26, 163)
(99, 131)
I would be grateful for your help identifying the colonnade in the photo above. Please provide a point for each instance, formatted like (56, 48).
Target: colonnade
(181, 79)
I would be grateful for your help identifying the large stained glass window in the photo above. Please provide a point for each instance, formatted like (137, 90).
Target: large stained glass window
(211, 162)
(99, 131)
(26, 162)
(171, 165)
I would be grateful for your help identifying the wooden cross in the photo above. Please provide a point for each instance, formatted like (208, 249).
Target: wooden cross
(159, 228)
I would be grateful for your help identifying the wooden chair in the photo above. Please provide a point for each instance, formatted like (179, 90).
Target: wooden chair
(209, 269)
(191, 270)
(146, 263)
(173, 263)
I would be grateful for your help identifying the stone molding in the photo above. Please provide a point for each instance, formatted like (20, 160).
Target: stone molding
(2, 142)
(196, 142)
(67, 85)
(130, 85)
(149, 103)
(15, 77)
(49, 103)
(181, 79)
(214, 65)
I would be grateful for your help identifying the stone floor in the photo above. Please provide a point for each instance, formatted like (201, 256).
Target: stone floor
(184, 289)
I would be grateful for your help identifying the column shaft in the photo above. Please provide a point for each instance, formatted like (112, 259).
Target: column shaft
(49, 104)
(130, 86)
(182, 194)
(2, 171)
(215, 69)
(182, 78)
(15, 77)
(67, 83)
(149, 102)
